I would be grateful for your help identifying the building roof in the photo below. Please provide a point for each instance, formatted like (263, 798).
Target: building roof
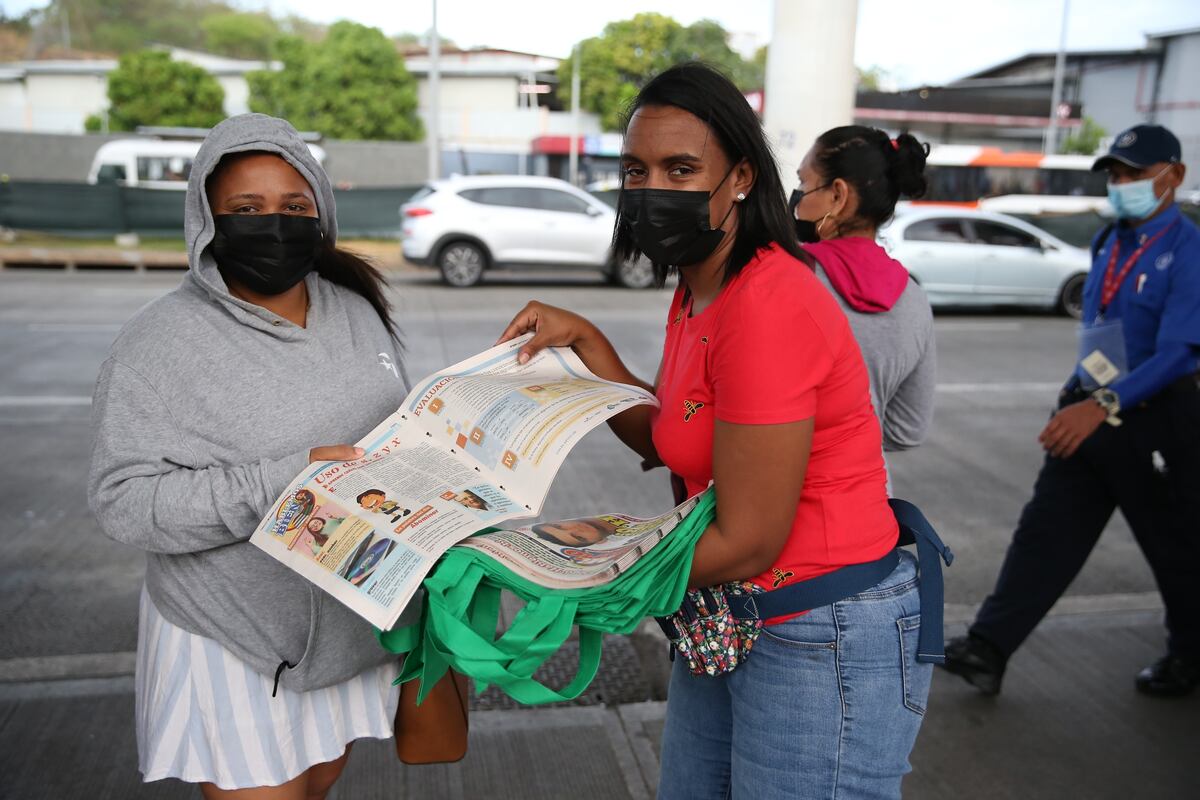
(480, 62)
(1171, 34)
(486, 51)
(90, 66)
(939, 106)
(954, 101)
(483, 62)
(998, 70)
(216, 65)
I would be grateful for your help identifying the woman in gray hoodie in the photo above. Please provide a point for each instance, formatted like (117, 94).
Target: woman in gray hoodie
(247, 676)
(850, 181)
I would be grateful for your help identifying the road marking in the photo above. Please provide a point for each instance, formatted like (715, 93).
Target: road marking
(72, 327)
(58, 668)
(110, 665)
(1074, 605)
(983, 327)
(37, 401)
(500, 316)
(40, 401)
(1015, 386)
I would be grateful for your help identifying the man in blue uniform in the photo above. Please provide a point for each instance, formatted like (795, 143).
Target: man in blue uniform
(1127, 432)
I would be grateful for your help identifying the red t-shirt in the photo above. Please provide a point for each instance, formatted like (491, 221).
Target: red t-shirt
(774, 347)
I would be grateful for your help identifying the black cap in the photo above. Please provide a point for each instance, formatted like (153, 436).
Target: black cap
(1141, 146)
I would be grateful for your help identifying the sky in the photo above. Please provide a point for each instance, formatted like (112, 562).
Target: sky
(925, 42)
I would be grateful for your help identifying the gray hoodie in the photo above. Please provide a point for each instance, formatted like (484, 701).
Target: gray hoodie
(204, 411)
(901, 356)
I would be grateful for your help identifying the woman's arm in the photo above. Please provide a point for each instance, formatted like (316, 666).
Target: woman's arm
(758, 471)
(557, 327)
(908, 415)
(146, 488)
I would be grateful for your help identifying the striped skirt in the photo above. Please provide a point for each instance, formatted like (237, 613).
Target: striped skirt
(204, 716)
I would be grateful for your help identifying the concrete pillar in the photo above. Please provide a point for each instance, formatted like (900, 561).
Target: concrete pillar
(810, 79)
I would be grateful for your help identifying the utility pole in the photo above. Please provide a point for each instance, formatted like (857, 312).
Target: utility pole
(1060, 65)
(64, 20)
(808, 38)
(573, 163)
(431, 134)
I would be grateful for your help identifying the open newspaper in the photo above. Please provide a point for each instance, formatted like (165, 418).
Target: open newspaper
(472, 446)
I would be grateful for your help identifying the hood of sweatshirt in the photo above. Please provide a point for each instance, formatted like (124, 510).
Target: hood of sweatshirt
(862, 272)
(241, 134)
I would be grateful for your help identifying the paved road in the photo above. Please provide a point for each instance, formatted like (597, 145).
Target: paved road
(1068, 724)
(68, 590)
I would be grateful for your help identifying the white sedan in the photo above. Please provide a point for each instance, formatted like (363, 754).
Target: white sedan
(963, 257)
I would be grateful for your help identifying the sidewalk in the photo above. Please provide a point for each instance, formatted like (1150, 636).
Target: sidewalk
(1068, 725)
(71, 259)
(62, 254)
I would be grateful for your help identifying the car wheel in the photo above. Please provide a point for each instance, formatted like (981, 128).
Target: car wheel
(637, 273)
(1070, 299)
(462, 263)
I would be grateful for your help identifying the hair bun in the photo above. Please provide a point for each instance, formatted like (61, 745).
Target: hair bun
(908, 164)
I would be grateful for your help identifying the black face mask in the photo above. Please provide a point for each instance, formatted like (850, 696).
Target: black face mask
(806, 229)
(267, 253)
(671, 226)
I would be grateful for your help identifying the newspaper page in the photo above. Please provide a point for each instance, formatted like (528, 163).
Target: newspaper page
(472, 446)
(517, 421)
(578, 553)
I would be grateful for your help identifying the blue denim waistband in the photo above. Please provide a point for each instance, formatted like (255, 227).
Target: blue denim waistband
(850, 580)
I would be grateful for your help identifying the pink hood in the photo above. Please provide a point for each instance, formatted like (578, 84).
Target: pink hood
(862, 272)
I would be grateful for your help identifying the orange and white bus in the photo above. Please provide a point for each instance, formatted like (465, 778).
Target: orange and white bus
(1014, 183)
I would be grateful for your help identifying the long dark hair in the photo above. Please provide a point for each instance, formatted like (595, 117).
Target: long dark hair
(708, 95)
(881, 169)
(351, 270)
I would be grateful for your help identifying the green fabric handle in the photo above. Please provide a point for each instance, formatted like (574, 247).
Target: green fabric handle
(462, 610)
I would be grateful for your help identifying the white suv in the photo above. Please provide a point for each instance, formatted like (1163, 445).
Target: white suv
(465, 225)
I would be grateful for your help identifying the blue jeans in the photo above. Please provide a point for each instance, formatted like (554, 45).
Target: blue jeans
(827, 706)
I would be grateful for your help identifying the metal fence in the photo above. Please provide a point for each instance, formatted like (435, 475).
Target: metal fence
(83, 209)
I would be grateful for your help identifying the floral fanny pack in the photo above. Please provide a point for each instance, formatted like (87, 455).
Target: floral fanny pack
(706, 634)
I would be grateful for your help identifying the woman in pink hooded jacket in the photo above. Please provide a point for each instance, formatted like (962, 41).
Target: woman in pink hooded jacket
(850, 181)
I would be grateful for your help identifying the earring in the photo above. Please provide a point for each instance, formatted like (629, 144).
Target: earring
(741, 196)
(822, 222)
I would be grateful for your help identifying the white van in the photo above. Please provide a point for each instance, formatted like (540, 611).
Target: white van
(152, 163)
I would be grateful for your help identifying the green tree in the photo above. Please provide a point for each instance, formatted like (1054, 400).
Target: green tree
(1084, 141)
(121, 26)
(240, 35)
(707, 41)
(870, 79)
(148, 88)
(615, 65)
(294, 25)
(758, 67)
(22, 24)
(351, 85)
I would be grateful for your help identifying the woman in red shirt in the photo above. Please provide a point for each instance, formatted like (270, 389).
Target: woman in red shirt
(763, 391)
